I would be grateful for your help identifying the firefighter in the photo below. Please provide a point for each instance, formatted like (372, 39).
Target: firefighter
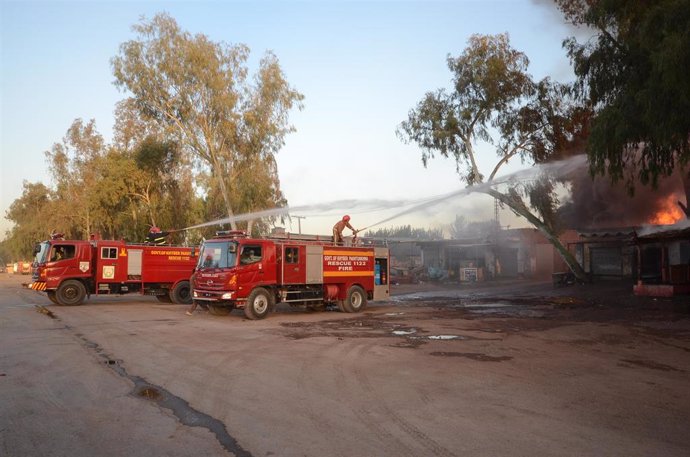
(339, 227)
(157, 237)
(58, 254)
(248, 257)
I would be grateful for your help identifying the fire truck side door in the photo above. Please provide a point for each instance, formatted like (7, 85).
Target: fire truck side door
(251, 268)
(109, 264)
(62, 261)
(294, 258)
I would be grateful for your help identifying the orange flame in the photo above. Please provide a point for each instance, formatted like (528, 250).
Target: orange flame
(668, 213)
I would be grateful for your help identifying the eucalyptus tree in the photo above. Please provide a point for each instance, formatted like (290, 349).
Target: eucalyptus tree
(33, 216)
(200, 91)
(495, 102)
(162, 187)
(633, 70)
(72, 164)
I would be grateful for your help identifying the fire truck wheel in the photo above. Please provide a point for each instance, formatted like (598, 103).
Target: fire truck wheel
(356, 300)
(259, 303)
(219, 310)
(51, 296)
(71, 292)
(181, 293)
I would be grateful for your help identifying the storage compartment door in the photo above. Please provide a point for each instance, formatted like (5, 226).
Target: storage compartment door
(314, 264)
(134, 263)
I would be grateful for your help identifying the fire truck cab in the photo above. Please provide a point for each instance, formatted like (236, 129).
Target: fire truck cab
(254, 274)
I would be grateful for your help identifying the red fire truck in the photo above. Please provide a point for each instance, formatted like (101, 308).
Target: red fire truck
(235, 271)
(69, 271)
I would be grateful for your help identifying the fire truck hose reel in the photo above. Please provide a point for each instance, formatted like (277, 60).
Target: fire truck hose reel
(331, 292)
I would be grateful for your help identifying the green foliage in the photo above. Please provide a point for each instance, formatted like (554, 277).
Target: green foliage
(197, 138)
(199, 91)
(73, 164)
(495, 102)
(634, 73)
(33, 221)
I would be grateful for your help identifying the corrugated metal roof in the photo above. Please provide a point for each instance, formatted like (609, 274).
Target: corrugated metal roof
(680, 229)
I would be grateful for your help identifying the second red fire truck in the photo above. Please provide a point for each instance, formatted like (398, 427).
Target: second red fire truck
(235, 271)
(71, 270)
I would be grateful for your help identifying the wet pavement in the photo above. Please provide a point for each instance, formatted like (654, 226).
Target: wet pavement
(444, 370)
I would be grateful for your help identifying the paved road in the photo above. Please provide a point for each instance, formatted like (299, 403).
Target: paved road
(414, 376)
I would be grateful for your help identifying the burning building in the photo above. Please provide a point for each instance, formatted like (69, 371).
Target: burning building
(514, 253)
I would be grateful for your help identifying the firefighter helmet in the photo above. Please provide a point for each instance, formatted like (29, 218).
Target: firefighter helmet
(346, 218)
(154, 229)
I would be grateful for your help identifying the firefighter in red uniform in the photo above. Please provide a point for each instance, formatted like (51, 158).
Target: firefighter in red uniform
(339, 227)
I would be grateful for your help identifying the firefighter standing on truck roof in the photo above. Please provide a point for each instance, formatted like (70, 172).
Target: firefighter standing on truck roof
(157, 237)
(339, 227)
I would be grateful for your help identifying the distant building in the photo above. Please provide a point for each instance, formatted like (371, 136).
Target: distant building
(655, 258)
(514, 253)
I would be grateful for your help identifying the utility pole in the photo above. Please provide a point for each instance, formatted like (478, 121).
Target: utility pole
(299, 223)
(496, 219)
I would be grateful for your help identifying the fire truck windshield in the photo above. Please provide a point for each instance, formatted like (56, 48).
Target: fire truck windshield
(41, 251)
(217, 254)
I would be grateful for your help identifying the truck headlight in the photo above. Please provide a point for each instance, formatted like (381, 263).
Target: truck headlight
(226, 296)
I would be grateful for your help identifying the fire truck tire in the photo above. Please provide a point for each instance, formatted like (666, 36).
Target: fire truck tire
(71, 293)
(356, 300)
(52, 297)
(219, 310)
(181, 293)
(259, 303)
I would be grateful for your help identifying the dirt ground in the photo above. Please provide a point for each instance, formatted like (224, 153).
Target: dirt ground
(511, 368)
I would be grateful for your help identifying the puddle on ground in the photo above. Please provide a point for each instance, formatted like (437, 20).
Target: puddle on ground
(150, 393)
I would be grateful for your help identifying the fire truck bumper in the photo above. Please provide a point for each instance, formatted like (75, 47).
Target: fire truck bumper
(38, 285)
(213, 296)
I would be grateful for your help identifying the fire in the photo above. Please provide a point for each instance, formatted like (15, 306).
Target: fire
(668, 213)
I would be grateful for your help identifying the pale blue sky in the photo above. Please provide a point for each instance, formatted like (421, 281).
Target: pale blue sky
(361, 66)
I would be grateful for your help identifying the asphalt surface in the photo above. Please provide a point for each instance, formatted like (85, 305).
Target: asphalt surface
(494, 369)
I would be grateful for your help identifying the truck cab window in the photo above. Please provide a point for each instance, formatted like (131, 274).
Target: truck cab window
(61, 252)
(250, 254)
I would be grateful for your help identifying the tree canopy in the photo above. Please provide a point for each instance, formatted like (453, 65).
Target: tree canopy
(495, 102)
(200, 92)
(633, 72)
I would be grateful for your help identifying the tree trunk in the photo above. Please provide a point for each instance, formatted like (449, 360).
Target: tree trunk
(522, 210)
(224, 190)
(685, 177)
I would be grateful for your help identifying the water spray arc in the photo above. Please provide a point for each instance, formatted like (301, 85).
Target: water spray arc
(558, 169)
